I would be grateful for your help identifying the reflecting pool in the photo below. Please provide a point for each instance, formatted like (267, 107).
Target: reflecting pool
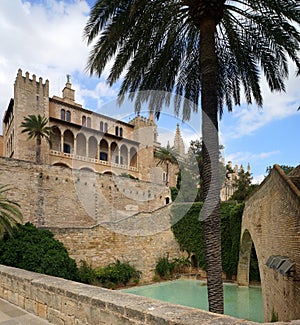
(240, 302)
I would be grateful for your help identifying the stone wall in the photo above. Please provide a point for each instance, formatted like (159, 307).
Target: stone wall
(271, 220)
(141, 240)
(65, 302)
(99, 218)
(1, 146)
(62, 197)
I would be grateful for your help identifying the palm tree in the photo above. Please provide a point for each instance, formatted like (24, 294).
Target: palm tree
(10, 214)
(36, 127)
(208, 49)
(165, 156)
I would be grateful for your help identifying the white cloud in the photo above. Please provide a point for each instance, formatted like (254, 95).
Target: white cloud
(45, 40)
(245, 157)
(245, 120)
(258, 179)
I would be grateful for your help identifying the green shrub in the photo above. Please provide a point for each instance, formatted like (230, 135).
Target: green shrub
(37, 250)
(181, 263)
(117, 273)
(165, 268)
(86, 273)
(189, 233)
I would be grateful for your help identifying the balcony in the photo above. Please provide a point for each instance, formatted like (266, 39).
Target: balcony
(92, 160)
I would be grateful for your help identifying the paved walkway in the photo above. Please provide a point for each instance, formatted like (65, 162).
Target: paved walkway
(13, 315)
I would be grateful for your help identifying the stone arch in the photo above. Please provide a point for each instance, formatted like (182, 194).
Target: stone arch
(133, 157)
(68, 116)
(244, 258)
(83, 120)
(81, 145)
(114, 153)
(55, 139)
(68, 142)
(63, 114)
(60, 164)
(93, 147)
(109, 172)
(103, 155)
(124, 155)
(87, 169)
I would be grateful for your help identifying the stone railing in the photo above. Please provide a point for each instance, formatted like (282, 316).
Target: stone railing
(66, 302)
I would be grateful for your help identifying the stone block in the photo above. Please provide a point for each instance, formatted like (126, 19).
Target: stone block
(30, 306)
(107, 317)
(56, 317)
(42, 310)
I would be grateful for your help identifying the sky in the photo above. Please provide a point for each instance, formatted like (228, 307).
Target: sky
(45, 38)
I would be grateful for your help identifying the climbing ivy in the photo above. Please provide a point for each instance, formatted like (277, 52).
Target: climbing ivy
(188, 231)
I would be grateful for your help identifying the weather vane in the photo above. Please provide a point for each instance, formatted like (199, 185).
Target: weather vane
(68, 78)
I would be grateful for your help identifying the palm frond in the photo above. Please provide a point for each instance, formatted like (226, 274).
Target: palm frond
(155, 46)
(10, 213)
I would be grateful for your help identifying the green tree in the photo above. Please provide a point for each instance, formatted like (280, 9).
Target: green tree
(37, 250)
(286, 169)
(243, 186)
(208, 49)
(195, 151)
(36, 127)
(165, 156)
(10, 213)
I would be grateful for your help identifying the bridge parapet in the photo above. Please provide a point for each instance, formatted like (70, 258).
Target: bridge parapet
(60, 301)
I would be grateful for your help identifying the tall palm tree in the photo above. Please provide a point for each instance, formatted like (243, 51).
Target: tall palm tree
(208, 49)
(36, 127)
(10, 214)
(165, 156)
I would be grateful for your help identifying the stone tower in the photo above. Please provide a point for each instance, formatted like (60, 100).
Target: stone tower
(31, 97)
(178, 142)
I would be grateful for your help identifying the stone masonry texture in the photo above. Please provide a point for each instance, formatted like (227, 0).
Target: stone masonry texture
(271, 221)
(99, 218)
(65, 302)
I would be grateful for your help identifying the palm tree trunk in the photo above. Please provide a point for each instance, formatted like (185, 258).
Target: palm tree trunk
(38, 149)
(211, 184)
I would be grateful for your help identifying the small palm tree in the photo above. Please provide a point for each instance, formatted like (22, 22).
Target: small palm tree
(36, 127)
(10, 214)
(165, 156)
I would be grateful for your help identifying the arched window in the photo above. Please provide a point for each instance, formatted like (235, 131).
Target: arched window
(83, 121)
(101, 126)
(89, 122)
(103, 150)
(68, 116)
(105, 127)
(81, 145)
(117, 131)
(133, 157)
(92, 148)
(121, 132)
(68, 142)
(114, 151)
(62, 114)
(123, 155)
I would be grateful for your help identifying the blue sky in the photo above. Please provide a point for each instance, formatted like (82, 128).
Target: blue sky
(44, 37)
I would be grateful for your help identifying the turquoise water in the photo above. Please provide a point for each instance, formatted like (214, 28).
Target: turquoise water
(240, 302)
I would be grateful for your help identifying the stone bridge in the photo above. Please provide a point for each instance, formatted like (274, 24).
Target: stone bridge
(271, 222)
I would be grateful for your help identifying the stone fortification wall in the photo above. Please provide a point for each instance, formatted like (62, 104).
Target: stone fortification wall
(141, 239)
(54, 196)
(99, 218)
(65, 302)
(271, 220)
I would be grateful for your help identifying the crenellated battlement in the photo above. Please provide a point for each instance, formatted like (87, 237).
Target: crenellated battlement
(33, 85)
